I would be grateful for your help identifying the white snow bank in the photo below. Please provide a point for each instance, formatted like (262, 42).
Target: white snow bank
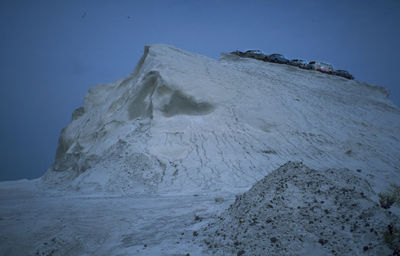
(182, 123)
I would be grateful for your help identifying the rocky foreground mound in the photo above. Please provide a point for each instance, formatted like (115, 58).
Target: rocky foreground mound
(296, 210)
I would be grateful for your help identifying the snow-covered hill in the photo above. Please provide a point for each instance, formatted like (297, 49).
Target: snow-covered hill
(182, 123)
(185, 134)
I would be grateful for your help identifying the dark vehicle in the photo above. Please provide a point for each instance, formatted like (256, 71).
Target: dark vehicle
(255, 54)
(300, 64)
(278, 58)
(238, 53)
(343, 73)
(322, 67)
(296, 62)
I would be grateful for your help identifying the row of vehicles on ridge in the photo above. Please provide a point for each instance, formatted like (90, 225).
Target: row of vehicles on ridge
(279, 58)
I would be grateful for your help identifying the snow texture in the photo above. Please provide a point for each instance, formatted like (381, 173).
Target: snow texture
(296, 210)
(36, 223)
(182, 122)
(149, 161)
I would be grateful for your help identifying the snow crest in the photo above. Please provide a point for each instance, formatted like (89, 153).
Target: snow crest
(183, 123)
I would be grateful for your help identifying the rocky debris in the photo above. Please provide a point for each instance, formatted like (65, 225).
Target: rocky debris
(296, 210)
(241, 252)
(219, 199)
(392, 238)
(198, 218)
(390, 197)
(386, 201)
(56, 246)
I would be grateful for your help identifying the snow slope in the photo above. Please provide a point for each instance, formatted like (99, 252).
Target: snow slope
(149, 161)
(182, 122)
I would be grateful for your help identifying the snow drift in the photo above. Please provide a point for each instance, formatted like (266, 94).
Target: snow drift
(296, 210)
(182, 122)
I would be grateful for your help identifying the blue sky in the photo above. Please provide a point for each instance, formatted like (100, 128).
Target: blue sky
(51, 52)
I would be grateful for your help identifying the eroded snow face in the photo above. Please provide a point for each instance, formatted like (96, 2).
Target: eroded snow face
(296, 210)
(196, 124)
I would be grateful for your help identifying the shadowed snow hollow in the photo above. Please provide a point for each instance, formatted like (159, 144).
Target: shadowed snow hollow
(182, 122)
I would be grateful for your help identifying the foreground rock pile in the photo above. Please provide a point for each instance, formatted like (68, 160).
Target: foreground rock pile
(296, 210)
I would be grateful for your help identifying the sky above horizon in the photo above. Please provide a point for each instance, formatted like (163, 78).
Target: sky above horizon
(53, 51)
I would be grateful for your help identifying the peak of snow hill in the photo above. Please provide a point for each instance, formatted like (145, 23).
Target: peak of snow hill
(182, 123)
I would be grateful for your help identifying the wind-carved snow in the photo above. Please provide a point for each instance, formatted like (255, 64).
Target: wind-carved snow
(183, 123)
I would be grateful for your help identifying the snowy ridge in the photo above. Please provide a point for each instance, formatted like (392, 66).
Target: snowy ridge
(182, 123)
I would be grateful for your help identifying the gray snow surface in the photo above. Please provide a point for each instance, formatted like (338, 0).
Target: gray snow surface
(182, 123)
(296, 210)
(150, 160)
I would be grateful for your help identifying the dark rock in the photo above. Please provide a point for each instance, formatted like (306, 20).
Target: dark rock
(322, 241)
(219, 199)
(241, 252)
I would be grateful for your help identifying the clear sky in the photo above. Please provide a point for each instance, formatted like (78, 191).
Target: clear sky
(51, 52)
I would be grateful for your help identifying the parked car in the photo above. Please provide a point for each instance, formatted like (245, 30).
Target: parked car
(255, 54)
(300, 63)
(296, 62)
(321, 66)
(278, 58)
(238, 53)
(344, 73)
